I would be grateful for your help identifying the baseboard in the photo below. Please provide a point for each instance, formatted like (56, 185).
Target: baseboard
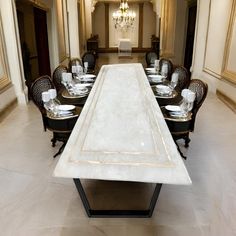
(228, 101)
(7, 109)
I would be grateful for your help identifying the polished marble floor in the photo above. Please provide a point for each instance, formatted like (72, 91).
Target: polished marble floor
(34, 203)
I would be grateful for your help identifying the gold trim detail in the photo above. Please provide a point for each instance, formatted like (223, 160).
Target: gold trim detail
(228, 101)
(4, 78)
(7, 109)
(227, 74)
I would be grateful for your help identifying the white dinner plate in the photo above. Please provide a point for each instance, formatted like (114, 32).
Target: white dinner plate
(173, 108)
(150, 69)
(156, 78)
(177, 114)
(82, 87)
(66, 107)
(88, 76)
(163, 89)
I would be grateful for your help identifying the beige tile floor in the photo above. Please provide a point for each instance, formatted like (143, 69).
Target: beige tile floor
(34, 203)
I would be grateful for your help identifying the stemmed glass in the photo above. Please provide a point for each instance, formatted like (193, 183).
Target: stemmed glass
(188, 100)
(53, 101)
(174, 80)
(77, 70)
(164, 70)
(85, 67)
(156, 66)
(68, 82)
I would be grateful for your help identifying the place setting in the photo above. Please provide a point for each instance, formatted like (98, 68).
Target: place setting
(66, 110)
(54, 108)
(80, 74)
(156, 78)
(86, 78)
(167, 88)
(184, 109)
(163, 91)
(73, 88)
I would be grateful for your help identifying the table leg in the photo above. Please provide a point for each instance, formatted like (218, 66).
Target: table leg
(117, 213)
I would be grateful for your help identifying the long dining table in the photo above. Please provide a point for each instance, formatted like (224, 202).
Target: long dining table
(121, 135)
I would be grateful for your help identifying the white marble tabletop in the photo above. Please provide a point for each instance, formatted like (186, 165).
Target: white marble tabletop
(121, 133)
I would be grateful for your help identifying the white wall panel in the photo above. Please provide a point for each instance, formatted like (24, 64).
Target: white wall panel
(216, 36)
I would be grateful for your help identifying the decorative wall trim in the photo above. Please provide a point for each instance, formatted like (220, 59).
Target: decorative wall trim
(226, 73)
(7, 109)
(195, 36)
(211, 72)
(60, 7)
(106, 23)
(205, 69)
(4, 70)
(228, 101)
(140, 26)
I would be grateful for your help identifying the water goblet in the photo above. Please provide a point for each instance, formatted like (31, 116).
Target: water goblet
(164, 70)
(85, 67)
(184, 107)
(174, 80)
(156, 66)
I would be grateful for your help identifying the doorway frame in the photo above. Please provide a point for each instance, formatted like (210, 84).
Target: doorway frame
(51, 38)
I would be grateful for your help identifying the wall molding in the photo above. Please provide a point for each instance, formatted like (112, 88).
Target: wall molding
(7, 109)
(5, 75)
(228, 101)
(140, 26)
(212, 73)
(106, 23)
(226, 73)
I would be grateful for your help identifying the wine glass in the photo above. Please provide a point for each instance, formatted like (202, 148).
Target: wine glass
(156, 66)
(174, 80)
(85, 67)
(164, 70)
(188, 100)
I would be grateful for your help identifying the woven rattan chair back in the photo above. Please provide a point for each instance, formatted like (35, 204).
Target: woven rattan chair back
(169, 66)
(41, 84)
(150, 58)
(57, 76)
(91, 59)
(200, 88)
(183, 77)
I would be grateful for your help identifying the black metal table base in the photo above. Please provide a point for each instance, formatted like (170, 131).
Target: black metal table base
(117, 213)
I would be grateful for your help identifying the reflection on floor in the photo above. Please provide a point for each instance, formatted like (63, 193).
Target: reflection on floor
(34, 203)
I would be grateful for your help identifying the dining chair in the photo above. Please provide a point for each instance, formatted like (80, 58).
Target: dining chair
(169, 66)
(180, 129)
(183, 77)
(61, 128)
(90, 57)
(57, 76)
(150, 58)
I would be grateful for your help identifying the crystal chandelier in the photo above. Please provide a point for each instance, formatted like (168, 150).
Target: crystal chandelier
(123, 18)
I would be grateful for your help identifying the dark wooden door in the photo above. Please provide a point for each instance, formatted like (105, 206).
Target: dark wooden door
(41, 35)
(190, 36)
